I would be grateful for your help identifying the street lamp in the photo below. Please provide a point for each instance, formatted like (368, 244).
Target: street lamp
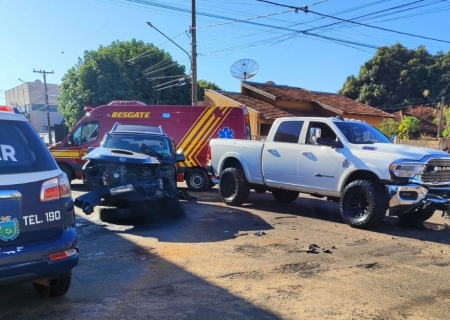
(193, 66)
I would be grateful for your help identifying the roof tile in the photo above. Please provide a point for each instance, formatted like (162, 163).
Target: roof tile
(332, 100)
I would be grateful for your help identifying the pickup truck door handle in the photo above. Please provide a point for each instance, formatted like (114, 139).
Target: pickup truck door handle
(270, 150)
(305, 153)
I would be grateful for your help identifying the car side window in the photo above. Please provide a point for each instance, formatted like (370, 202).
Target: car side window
(288, 131)
(326, 132)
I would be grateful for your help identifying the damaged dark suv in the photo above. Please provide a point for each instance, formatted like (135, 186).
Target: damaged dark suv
(132, 173)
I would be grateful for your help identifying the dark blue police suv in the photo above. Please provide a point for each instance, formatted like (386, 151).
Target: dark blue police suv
(38, 241)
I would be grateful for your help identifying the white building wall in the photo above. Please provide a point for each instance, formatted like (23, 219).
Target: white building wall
(29, 98)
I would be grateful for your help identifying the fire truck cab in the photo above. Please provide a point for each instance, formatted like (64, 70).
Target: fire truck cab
(191, 127)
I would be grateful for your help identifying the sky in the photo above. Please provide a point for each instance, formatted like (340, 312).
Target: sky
(316, 50)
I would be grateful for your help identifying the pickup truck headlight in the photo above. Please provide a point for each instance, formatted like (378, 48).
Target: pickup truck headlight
(407, 170)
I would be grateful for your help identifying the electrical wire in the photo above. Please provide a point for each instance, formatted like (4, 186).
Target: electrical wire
(306, 10)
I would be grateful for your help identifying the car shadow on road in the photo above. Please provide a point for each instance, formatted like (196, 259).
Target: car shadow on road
(329, 211)
(204, 223)
(119, 277)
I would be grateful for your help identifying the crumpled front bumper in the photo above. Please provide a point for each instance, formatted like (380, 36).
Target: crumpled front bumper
(411, 196)
(90, 200)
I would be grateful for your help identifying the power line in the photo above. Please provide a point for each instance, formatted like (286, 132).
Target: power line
(306, 10)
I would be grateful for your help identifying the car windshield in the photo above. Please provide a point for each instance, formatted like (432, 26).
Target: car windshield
(361, 133)
(159, 147)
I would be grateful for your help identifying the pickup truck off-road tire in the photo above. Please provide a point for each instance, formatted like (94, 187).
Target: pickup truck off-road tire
(234, 187)
(114, 214)
(197, 180)
(59, 286)
(418, 215)
(363, 204)
(285, 196)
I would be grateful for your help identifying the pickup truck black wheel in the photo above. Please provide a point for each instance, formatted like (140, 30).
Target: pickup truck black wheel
(114, 214)
(197, 180)
(285, 195)
(418, 215)
(59, 285)
(363, 204)
(234, 187)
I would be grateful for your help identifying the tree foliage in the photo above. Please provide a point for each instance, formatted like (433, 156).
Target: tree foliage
(202, 85)
(407, 127)
(396, 77)
(389, 127)
(120, 71)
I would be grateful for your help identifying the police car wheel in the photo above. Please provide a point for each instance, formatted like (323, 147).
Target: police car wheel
(59, 286)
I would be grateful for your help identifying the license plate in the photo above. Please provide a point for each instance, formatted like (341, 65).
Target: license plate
(121, 189)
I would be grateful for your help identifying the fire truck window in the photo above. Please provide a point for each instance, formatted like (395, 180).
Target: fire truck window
(75, 138)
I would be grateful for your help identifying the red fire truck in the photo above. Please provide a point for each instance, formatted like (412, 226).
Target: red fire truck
(190, 126)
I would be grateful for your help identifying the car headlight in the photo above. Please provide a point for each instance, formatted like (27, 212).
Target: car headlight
(167, 172)
(407, 170)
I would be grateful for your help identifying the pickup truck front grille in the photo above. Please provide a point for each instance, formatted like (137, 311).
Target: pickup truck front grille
(437, 171)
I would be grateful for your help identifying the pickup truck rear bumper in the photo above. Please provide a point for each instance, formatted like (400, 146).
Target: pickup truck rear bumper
(411, 196)
(212, 173)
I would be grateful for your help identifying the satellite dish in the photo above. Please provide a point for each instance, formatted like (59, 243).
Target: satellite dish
(244, 69)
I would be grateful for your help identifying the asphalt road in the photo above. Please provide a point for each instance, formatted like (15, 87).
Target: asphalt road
(264, 260)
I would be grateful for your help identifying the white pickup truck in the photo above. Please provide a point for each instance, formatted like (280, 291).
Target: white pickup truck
(346, 161)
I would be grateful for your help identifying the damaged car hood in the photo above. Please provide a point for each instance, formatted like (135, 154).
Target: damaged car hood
(106, 154)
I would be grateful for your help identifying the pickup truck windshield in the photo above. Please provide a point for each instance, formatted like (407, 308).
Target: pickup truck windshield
(160, 145)
(361, 133)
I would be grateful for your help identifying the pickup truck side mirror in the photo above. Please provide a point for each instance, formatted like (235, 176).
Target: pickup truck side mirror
(329, 143)
(179, 157)
(314, 134)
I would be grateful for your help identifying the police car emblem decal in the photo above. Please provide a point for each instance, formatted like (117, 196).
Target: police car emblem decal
(9, 229)
(122, 159)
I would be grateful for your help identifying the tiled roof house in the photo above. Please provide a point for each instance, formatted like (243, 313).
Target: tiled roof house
(267, 101)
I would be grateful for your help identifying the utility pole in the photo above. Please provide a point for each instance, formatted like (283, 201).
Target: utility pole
(44, 73)
(441, 111)
(194, 55)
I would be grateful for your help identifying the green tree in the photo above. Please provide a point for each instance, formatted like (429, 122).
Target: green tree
(121, 71)
(202, 85)
(396, 77)
(389, 127)
(407, 127)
